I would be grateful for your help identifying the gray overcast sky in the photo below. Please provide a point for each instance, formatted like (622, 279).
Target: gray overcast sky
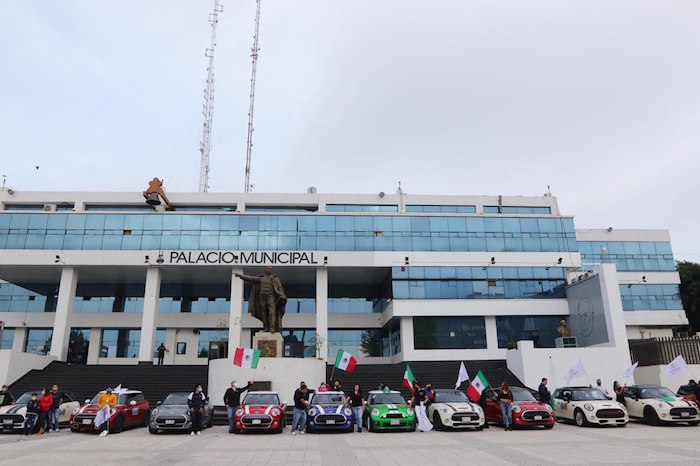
(599, 99)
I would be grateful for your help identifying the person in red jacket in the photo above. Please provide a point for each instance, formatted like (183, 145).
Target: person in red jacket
(45, 404)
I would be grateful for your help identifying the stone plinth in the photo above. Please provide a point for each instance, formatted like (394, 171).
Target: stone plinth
(270, 345)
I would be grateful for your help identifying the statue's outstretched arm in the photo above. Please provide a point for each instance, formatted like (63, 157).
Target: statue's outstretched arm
(248, 278)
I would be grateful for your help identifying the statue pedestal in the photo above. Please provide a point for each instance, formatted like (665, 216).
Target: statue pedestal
(270, 345)
(565, 342)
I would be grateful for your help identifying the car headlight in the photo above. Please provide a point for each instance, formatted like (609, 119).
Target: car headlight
(155, 412)
(548, 408)
(313, 411)
(75, 411)
(410, 411)
(588, 406)
(480, 411)
(622, 407)
(239, 412)
(275, 412)
(347, 411)
(375, 412)
(445, 410)
(516, 409)
(660, 405)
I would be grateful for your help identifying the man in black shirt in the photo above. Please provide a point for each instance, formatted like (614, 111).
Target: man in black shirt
(232, 398)
(419, 395)
(55, 408)
(545, 396)
(301, 404)
(161, 353)
(5, 396)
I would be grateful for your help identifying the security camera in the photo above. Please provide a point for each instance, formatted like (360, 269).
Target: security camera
(10, 191)
(381, 194)
(609, 229)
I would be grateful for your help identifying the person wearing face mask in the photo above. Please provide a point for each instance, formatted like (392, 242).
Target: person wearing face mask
(108, 400)
(45, 404)
(5, 396)
(196, 402)
(32, 413)
(232, 399)
(55, 409)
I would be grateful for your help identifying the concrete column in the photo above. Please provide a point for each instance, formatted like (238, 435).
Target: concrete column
(322, 312)
(407, 342)
(170, 345)
(64, 311)
(148, 320)
(94, 345)
(20, 338)
(491, 333)
(235, 321)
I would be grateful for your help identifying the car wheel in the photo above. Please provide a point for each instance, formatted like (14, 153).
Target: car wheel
(478, 429)
(580, 418)
(211, 420)
(152, 430)
(369, 425)
(549, 427)
(236, 431)
(413, 427)
(146, 418)
(118, 425)
(650, 416)
(437, 422)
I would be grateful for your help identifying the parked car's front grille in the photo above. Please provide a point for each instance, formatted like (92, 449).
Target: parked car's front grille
(610, 413)
(9, 420)
(465, 417)
(170, 420)
(530, 415)
(84, 419)
(679, 412)
(249, 420)
(334, 418)
(393, 415)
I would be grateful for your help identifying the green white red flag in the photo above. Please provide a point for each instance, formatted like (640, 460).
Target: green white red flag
(246, 358)
(345, 361)
(477, 386)
(408, 378)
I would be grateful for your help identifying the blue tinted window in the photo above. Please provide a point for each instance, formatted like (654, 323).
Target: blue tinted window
(8, 338)
(38, 341)
(449, 332)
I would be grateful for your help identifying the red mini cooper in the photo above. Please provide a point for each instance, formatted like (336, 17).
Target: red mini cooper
(132, 410)
(260, 411)
(527, 411)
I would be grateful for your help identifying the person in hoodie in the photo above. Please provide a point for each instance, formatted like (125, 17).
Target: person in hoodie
(196, 402)
(45, 405)
(32, 413)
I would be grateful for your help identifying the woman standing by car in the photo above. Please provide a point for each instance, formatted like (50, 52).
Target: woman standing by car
(45, 404)
(505, 398)
(357, 402)
(619, 392)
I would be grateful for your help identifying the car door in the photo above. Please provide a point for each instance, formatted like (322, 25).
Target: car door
(131, 413)
(67, 407)
(562, 408)
(493, 410)
(634, 403)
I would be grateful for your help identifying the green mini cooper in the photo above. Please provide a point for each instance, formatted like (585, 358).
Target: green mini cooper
(387, 410)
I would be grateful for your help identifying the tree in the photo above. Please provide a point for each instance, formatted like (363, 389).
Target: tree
(690, 292)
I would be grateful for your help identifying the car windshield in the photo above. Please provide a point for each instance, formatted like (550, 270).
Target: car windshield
(657, 392)
(684, 390)
(388, 399)
(176, 399)
(121, 400)
(328, 398)
(261, 399)
(520, 394)
(588, 394)
(450, 397)
(24, 399)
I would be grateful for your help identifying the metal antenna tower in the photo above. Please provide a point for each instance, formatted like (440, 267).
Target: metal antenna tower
(254, 55)
(208, 107)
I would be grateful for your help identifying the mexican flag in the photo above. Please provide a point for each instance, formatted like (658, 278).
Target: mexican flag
(477, 386)
(345, 361)
(408, 378)
(246, 358)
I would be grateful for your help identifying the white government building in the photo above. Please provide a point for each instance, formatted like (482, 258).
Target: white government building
(389, 278)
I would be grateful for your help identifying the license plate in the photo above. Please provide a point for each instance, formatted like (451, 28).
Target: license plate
(685, 414)
(87, 421)
(395, 422)
(170, 421)
(538, 418)
(7, 421)
(256, 421)
(330, 421)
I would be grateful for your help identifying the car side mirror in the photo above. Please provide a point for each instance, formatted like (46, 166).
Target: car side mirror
(158, 403)
(87, 401)
(132, 403)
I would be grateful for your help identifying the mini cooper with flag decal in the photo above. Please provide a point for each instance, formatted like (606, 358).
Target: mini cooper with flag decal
(452, 409)
(586, 406)
(260, 411)
(387, 410)
(132, 410)
(658, 405)
(328, 413)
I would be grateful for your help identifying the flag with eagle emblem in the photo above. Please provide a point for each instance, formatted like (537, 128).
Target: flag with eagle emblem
(246, 358)
(345, 361)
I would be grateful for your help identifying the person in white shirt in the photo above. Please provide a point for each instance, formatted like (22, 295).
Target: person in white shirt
(599, 386)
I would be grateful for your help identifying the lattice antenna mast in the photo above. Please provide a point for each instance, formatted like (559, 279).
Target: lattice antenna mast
(208, 107)
(254, 67)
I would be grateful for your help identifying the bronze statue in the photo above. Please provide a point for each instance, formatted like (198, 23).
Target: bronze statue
(267, 299)
(563, 330)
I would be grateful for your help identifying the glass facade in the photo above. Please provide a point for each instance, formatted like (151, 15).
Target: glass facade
(109, 298)
(8, 337)
(363, 343)
(449, 332)
(160, 338)
(206, 336)
(478, 282)
(494, 209)
(284, 232)
(120, 343)
(542, 330)
(444, 209)
(79, 343)
(195, 298)
(38, 341)
(629, 255)
(355, 305)
(361, 208)
(14, 298)
(647, 297)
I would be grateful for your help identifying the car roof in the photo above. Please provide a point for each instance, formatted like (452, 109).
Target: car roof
(438, 390)
(261, 392)
(125, 392)
(577, 388)
(374, 392)
(334, 392)
(646, 385)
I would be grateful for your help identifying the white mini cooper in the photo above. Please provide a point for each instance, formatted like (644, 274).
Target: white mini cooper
(656, 405)
(452, 409)
(586, 406)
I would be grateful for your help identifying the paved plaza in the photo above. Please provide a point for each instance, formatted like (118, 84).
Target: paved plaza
(565, 444)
